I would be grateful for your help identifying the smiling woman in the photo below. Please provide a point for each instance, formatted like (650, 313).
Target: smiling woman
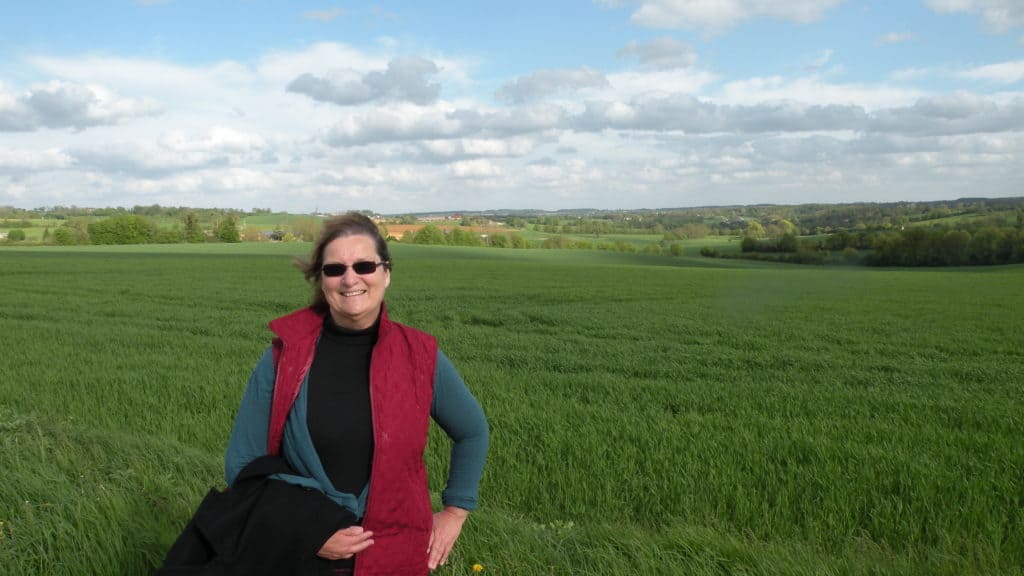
(329, 439)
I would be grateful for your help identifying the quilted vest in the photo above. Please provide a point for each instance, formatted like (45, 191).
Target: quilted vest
(401, 391)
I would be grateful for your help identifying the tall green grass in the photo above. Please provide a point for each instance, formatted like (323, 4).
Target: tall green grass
(648, 414)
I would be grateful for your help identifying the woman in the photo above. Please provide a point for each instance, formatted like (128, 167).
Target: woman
(345, 395)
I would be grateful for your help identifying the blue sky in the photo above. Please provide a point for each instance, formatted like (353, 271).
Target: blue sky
(411, 106)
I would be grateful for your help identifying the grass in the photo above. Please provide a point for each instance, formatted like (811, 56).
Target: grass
(648, 414)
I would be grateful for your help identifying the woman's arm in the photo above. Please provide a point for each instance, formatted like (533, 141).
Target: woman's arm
(248, 439)
(459, 414)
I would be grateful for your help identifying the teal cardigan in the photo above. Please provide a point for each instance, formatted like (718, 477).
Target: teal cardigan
(454, 409)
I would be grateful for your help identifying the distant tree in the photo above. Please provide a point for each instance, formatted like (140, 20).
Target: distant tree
(955, 246)
(676, 249)
(498, 240)
(460, 237)
(429, 234)
(787, 243)
(169, 236)
(126, 229)
(517, 241)
(555, 242)
(754, 229)
(69, 235)
(16, 235)
(307, 229)
(193, 231)
(227, 229)
(46, 234)
(651, 249)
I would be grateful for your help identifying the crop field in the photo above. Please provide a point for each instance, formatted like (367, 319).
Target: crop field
(649, 415)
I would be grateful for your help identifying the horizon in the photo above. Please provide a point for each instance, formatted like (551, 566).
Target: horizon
(404, 108)
(47, 209)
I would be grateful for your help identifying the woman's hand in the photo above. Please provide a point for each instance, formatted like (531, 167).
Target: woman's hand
(346, 542)
(447, 526)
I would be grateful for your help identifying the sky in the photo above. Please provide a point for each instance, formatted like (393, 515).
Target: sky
(400, 107)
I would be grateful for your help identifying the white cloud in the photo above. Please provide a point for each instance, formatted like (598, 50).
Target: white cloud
(404, 80)
(545, 83)
(661, 53)
(319, 59)
(474, 169)
(1000, 15)
(57, 105)
(717, 15)
(176, 151)
(1002, 73)
(20, 160)
(815, 91)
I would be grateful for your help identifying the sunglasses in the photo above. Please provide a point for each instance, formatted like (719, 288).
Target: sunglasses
(362, 268)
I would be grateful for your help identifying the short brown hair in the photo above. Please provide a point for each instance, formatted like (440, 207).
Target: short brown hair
(348, 224)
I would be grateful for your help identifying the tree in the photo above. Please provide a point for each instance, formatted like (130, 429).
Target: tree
(69, 236)
(429, 234)
(460, 237)
(754, 229)
(127, 229)
(16, 235)
(227, 230)
(517, 241)
(193, 231)
(676, 249)
(307, 229)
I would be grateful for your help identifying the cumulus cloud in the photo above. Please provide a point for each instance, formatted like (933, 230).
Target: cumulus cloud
(722, 14)
(951, 114)
(1002, 73)
(404, 80)
(59, 104)
(20, 160)
(545, 83)
(177, 151)
(470, 148)
(474, 169)
(1001, 15)
(894, 38)
(660, 53)
(397, 124)
(694, 116)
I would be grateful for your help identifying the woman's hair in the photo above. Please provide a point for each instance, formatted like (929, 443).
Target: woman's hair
(349, 224)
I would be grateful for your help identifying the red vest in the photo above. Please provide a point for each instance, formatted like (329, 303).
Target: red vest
(401, 391)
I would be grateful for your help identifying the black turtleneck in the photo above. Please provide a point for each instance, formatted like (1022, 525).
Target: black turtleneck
(338, 405)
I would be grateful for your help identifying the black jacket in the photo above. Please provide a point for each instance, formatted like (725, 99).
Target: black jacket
(258, 526)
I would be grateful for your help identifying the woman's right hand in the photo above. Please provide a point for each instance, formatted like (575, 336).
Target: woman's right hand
(346, 542)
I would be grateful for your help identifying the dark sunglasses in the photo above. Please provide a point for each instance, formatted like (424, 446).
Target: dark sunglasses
(362, 268)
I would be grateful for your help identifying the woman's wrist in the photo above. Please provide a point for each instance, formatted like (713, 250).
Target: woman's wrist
(456, 511)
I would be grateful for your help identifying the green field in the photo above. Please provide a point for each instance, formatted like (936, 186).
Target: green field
(649, 415)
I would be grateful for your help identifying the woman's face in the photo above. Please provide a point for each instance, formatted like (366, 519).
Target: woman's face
(354, 299)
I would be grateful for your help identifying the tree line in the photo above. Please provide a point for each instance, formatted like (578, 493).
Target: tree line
(135, 229)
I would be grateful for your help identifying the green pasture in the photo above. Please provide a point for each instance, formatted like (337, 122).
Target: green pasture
(692, 246)
(270, 222)
(649, 414)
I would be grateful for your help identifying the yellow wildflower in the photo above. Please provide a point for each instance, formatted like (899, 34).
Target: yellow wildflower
(478, 567)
